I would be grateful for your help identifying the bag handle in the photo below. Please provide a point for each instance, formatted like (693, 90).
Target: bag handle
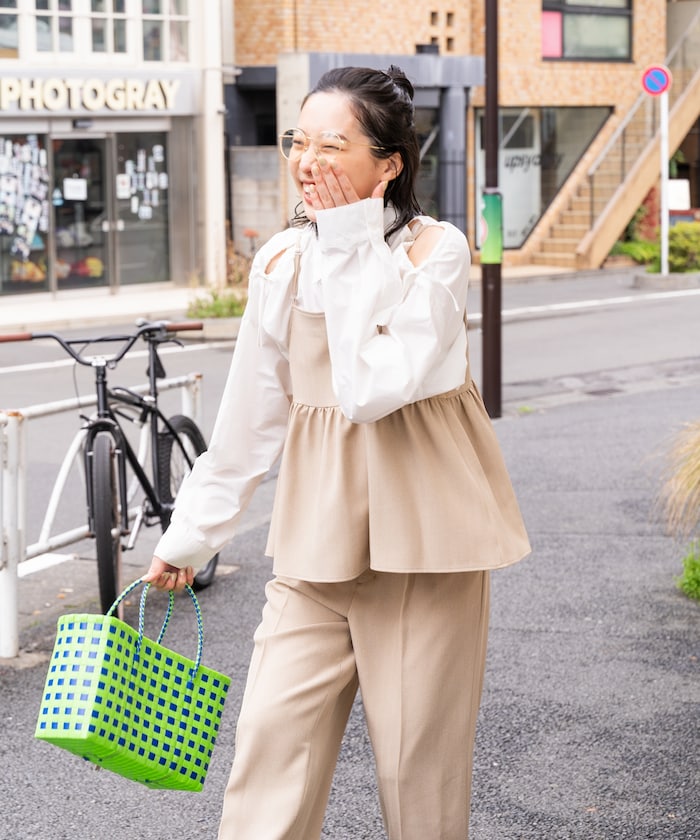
(171, 600)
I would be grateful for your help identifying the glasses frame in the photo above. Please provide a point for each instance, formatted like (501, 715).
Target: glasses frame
(308, 142)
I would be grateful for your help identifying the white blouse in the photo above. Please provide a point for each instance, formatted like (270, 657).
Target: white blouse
(395, 335)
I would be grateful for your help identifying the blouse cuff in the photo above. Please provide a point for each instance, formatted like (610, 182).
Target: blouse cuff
(178, 548)
(344, 228)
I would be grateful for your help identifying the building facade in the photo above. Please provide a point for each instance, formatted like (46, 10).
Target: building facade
(111, 144)
(569, 77)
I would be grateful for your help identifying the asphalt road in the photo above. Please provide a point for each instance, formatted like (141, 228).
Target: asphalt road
(588, 728)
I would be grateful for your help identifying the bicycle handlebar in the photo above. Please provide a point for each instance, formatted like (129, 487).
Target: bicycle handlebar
(26, 336)
(153, 331)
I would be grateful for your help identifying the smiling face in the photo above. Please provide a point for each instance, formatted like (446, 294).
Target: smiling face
(331, 112)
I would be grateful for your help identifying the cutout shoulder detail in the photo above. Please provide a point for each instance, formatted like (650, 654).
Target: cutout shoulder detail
(270, 267)
(427, 237)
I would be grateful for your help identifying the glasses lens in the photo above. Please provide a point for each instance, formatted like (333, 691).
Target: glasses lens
(293, 142)
(329, 143)
(286, 141)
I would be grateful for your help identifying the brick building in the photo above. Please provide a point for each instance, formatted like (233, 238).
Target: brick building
(578, 153)
(130, 129)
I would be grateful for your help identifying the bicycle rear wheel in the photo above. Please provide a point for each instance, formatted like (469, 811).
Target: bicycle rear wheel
(105, 511)
(174, 466)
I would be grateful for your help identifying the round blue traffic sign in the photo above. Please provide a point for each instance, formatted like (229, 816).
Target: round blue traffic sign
(656, 79)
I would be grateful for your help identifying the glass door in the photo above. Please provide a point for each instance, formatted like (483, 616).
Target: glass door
(142, 217)
(81, 201)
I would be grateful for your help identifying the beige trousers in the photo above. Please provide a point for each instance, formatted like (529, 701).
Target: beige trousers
(416, 645)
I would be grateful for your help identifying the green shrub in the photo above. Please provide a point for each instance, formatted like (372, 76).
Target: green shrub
(640, 250)
(217, 305)
(684, 247)
(689, 581)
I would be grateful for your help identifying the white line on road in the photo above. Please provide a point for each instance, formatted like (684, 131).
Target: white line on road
(474, 317)
(599, 302)
(59, 363)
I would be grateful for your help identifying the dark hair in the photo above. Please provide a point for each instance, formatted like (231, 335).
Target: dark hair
(382, 103)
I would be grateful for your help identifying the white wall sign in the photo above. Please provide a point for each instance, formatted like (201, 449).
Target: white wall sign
(75, 189)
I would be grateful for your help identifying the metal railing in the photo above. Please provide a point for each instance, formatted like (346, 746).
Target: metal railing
(640, 126)
(13, 494)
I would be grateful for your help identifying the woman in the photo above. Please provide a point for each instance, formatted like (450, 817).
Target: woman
(392, 502)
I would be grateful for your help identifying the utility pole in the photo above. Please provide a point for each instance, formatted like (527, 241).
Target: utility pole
(491, 252)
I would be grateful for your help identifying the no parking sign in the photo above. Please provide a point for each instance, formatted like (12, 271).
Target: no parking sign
(656, 79)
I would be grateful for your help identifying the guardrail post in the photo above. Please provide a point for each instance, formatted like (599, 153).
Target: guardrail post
(13, 516)
(192, 398)
(3, 456)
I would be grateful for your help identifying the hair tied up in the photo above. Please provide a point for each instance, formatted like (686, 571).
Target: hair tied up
(399, 78)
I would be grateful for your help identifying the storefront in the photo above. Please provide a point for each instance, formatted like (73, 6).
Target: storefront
(96, 180)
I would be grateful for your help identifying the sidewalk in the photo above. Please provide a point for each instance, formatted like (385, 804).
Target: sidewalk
(99, 307)
(96, 307)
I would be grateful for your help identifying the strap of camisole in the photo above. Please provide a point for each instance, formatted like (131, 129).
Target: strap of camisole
(297, 268)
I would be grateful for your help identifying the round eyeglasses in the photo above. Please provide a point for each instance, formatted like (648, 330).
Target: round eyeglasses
(293, 143)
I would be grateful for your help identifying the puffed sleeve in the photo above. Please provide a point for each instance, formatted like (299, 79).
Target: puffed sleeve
(395, 331)
(247, 437)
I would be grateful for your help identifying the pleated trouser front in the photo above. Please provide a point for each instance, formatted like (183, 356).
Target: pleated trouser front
(416, 645)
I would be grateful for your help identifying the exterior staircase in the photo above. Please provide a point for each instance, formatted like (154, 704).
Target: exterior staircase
(608, 194)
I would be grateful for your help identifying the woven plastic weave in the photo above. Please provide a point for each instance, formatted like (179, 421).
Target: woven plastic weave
(129, 704)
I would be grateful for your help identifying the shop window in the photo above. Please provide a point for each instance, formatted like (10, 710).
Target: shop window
(538, 150)
(427, 184)
(24, 213)
(9, 35)
(587, 30)
(142, 206)
(165, 30)
(54, 25)
(108, 25)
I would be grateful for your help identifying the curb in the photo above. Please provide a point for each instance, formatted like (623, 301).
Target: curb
(667, 282)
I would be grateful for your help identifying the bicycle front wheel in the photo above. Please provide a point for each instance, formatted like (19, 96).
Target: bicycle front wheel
(175, 466)
(105, 511)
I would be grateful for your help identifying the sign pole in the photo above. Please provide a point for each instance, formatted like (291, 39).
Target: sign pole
(656, 80)
(491, 280)
(663, 102)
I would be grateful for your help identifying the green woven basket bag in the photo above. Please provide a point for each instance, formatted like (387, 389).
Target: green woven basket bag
(125, 702)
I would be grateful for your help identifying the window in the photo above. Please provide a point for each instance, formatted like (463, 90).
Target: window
(538, 149)
(108, 25)
(587, 30)
(24, 212)
(165, 30)
(9, 42)
(54, 25)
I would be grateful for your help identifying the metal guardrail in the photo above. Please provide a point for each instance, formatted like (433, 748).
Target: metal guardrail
(13, 494)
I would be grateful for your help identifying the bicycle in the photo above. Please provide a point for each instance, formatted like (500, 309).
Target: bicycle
(174, 444)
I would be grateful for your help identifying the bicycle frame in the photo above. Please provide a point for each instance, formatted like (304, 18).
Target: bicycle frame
(107, 452)
(106, 420)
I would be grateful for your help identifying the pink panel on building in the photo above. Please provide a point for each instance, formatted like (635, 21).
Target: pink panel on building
(551, 35)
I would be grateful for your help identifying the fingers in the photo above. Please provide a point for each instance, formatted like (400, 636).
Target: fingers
(380, 189)
(333, 187)
(168, 578)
